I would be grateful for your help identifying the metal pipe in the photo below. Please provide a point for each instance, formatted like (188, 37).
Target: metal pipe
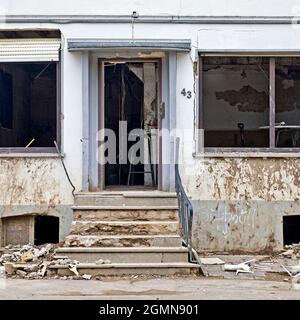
(65, 19)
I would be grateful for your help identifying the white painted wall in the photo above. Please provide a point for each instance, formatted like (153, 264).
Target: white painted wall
(154, 7)
(203, 37)
(209, 37)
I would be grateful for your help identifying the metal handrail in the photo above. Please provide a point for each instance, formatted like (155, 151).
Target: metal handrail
(185, 207)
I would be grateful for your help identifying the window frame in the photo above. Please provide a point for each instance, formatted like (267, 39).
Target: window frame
(272, 112)
(44, 150)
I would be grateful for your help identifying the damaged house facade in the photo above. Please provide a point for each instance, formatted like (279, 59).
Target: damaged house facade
(225, 77)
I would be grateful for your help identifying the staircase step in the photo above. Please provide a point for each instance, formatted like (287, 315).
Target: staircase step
(128, 213)
(126, 254)
(124, 227)
(129, 269)
(130, 198)
(123, 241)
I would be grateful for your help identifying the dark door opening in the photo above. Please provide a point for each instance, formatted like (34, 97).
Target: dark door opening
(131, 91)
(291, 230)
(46, 230)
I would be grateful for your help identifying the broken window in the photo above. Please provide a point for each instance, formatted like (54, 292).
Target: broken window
(28, 88)
(6, 100)
(235, 99)
(287, 102)
(28, 104)
(249, 102)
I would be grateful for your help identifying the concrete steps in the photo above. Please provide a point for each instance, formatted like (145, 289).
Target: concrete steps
(123, 241)
(129, 198)
(129, 213)
(137, 232)
(118, 269)
(126, 254)
(124, 227)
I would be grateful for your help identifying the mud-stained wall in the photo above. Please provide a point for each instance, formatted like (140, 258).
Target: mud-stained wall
(239, 202)
(35, 186)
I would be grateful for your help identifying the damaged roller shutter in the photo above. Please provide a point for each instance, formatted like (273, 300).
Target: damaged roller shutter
(29, 50)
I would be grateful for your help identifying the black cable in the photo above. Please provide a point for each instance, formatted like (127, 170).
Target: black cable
(63, 164)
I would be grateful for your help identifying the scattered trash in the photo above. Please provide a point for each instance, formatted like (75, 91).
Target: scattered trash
(21, 273)
(296, 284)
(288, 253)
(100, 261)
(293, 271)
(45, 250)
(9, 268)
(28, 256)
(239, 268)
(44, 266)
(87, 276)
(32, 262)
(73, 268)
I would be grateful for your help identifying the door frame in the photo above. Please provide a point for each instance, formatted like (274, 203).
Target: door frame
(101, 114)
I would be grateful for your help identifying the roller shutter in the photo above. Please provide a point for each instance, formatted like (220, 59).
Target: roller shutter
(31, 50)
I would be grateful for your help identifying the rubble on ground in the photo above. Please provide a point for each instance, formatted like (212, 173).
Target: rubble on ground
(292, 251)
(33, 262)
(281, 266)
(38, 262)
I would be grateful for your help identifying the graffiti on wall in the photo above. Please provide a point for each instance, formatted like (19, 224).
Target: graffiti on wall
(226, 216)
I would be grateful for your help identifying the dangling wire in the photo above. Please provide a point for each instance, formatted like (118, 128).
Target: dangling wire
(43, 70)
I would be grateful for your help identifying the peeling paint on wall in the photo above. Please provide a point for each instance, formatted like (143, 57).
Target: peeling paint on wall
(35, 186)
(239, 202)
(236, 179)
(33, 181)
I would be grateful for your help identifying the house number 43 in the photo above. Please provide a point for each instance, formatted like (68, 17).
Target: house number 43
(185, 93)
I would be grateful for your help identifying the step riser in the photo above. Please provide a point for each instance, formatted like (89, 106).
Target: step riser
(96, 228)
(121, 201)
(129, 271)
(128, 257)
(126, 215)
(77, 241)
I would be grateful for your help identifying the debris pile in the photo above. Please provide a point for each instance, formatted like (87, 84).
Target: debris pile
(32, 262)
(292, 251)
(26, 253)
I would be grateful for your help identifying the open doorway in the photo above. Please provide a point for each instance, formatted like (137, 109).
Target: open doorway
(131, 108)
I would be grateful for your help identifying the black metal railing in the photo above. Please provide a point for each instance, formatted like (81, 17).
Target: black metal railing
(185, 207)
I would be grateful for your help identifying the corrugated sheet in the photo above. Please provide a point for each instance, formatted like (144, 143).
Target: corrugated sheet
(31, 50)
